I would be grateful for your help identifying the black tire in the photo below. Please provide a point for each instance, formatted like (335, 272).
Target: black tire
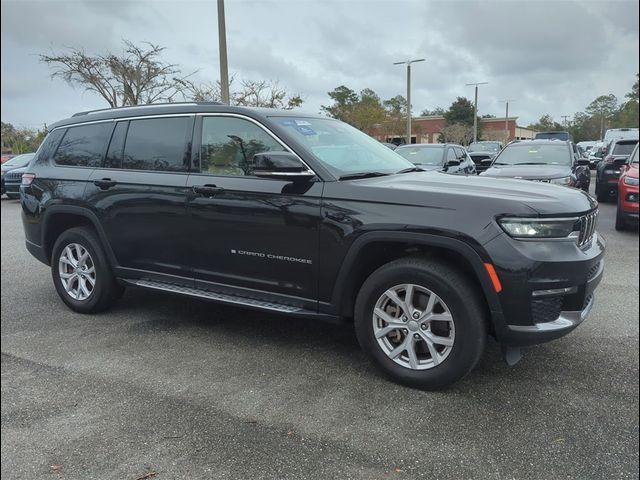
(106, 289)
(602, 196)
(621, 223)
(13, 196)
(463, 300)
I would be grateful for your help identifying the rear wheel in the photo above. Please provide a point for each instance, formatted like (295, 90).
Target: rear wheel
(601, 193)
(81, 273)
(422, 322)
(621, 224)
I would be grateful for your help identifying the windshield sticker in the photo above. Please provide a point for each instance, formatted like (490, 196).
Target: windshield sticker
(306, 130)
(287, 122)
(302, 123)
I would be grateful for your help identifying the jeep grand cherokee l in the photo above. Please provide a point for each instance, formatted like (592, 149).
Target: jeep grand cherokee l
(305, 215)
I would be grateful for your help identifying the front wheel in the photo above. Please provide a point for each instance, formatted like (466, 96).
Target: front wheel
(621, 224)
(81, 273)
(421, 321)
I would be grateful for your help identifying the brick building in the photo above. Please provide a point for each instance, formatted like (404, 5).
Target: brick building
(427, 130)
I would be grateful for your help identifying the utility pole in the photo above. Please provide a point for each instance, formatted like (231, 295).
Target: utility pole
(506, 119)
(222, 46)
(475, 110)
(408, 64)
(564, 118)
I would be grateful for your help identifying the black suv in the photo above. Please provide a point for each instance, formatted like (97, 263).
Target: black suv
(305, 215)
(445, 157)
(549, 161)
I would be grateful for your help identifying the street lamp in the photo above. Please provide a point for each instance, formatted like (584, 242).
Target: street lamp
(475, 110)
(506, 119)
(408, 64)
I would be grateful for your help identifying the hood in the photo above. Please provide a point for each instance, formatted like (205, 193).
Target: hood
(633, 170)
(428, 168)
(490, 196)
(529, 172)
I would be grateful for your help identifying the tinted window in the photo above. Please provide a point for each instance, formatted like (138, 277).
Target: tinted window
(157, 144)
(19, 161)
(116, 146)
(552, 135)
(624, 148)
(451, 155)
(535, 154)
(229, 144)
(422, 155)
(83, 146)
(49, 146)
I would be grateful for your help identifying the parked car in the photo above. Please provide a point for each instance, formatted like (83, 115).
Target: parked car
(307, 216)
(620, 134)
(627, 211)
(11, 182)
(554, 135)
(595, 155)
(549, 161)
(586, 147)
(13, 163)
(609, 169)
(445, 157)
(483, 153)
(6, 158)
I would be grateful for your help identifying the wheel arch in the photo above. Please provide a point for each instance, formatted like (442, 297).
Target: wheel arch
(60, 218)
(374, 249)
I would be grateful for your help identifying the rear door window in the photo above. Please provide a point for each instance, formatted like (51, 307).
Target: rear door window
(624, 148)
(83, 146)
(158, 144)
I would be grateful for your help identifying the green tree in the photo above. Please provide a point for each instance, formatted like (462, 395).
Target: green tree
(21, 140)
(438, 111)
(459, 122)
(344, 100)
(633, 94)
(460, 111)
(546, 123)
(364, 110)
(604, 108)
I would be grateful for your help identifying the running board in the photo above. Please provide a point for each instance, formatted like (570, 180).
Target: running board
(217, 297)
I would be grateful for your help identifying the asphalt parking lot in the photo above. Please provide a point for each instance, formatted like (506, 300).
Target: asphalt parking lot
(181, 388)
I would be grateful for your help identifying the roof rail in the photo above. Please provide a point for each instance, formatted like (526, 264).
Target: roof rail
(150, 105)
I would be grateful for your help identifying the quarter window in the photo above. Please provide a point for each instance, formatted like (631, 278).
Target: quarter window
(229, 144)
(83, 146)
(451, 155)
(158, 144)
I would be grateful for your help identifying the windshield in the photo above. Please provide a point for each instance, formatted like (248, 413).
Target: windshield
(484, 147)
(422, 155)
(624, 148)
(19, 161)
(342, 148)
(529, 154)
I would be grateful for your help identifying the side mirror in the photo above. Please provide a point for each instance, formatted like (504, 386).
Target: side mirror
(281, 166)
(452, 163)
(621, 161)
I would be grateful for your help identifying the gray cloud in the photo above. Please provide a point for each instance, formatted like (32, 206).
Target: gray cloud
(550, 56)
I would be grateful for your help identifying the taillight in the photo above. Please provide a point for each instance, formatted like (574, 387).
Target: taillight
(27, 178)
(609, 159)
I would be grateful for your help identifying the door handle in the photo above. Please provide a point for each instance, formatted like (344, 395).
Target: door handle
(207, 190)
(104, 183)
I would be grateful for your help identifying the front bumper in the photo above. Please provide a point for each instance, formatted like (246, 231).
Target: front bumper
(10, 187)
(548, 287)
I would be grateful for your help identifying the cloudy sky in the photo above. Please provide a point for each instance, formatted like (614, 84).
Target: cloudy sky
(548, 56)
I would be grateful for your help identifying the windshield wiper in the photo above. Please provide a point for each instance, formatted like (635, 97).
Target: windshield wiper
(411, 169)
(355, 175)
(531, 163)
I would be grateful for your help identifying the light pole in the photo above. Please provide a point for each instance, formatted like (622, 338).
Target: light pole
(506, 119)
(408, 64)
(565, 122)
(222, 46)
(475, 110)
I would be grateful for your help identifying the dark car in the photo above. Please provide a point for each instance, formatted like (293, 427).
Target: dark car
(609, 169)
(445, 157)
(11, 181)
(13, 163)
(483, 153)
(307, 216)
(549, 161)
(554, 135)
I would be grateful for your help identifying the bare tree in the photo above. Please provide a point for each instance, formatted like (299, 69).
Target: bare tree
(137, 76)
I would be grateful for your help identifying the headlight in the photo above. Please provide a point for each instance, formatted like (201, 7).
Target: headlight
(562, 181)
(631, 181)
(539, 227)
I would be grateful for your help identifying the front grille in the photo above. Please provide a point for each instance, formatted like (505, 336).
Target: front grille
(14, 177)
(587, 228)
(546, 309)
